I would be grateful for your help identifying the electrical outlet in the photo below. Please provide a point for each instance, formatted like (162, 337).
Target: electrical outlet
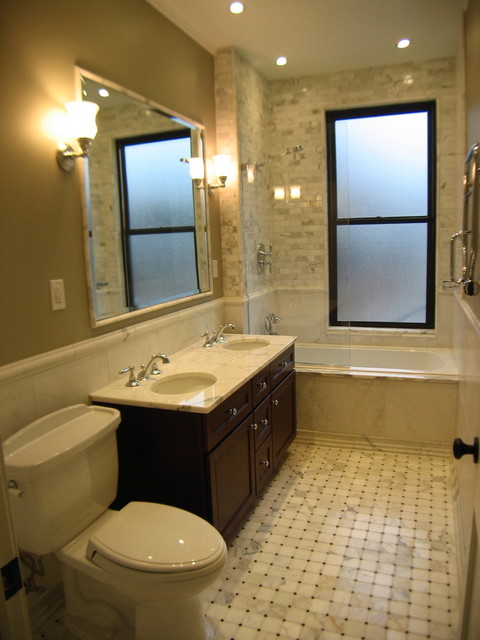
(57, 295)
(215, 268)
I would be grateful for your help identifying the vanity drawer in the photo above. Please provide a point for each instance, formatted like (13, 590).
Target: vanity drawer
(220, 422)
(281, 366)
(262, 422)
(261, 386)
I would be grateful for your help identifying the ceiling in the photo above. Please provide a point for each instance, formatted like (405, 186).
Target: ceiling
(320, 36)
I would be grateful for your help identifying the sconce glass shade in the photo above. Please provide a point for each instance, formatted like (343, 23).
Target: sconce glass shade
(222, 164)
(279, 193)
(295, 192)
(81, 118)
(250, 167)
(82, 128)
(197, 168)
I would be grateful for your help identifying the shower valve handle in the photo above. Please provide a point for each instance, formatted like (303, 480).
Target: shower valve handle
(460, 449)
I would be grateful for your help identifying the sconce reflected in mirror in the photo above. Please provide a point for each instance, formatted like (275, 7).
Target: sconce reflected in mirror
(222, 167)
(82, 129)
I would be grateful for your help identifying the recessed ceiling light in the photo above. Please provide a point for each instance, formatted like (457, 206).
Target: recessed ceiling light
(281, 61)
(403, 44)
(236, 7)
(103, 92)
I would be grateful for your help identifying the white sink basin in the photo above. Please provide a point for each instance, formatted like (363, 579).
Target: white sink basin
(246, 345)
(185, 383)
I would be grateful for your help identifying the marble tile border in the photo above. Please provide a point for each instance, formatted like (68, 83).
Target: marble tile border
(374, 443)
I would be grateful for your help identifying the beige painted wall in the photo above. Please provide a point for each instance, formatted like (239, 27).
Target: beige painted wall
(126, 41)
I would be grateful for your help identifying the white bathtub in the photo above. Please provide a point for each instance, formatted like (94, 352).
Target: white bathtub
(381, 361)
(406, 396)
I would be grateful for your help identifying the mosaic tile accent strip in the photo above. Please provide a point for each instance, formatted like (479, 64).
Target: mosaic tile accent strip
(351, 544)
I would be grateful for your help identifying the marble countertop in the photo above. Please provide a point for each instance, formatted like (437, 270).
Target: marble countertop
(230, 368)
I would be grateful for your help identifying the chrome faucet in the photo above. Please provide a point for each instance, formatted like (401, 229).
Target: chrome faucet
(143, 374)
(218, 336)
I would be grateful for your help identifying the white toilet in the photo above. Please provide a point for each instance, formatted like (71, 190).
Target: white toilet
(131, 574)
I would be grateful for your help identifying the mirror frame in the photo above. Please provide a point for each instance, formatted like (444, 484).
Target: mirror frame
(88, 258)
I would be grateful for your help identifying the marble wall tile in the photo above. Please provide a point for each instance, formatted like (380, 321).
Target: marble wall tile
(34, 387)
(286, 113)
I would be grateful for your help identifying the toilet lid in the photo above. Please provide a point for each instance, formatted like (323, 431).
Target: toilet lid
(158, 538)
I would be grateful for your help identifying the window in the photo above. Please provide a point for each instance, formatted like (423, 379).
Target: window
(158, 218)
(381, 196)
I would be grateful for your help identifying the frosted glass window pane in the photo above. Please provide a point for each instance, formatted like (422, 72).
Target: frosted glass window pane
(163, 267)
(159, 186)
(382, 273)
(382, 166)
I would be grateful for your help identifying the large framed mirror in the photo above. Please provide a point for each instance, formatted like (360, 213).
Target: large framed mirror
(146, 232)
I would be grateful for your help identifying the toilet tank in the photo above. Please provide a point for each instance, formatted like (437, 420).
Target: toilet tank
(62, 471)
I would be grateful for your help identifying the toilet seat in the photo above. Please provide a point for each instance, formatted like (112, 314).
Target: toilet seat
(157, 539)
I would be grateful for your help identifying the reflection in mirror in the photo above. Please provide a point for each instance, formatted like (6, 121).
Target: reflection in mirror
(146, 219)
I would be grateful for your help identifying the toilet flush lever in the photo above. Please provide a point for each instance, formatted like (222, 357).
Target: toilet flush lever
(460, 449)
(14, 491)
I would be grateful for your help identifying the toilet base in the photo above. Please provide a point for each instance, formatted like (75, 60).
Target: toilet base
(172, 620)
(152, 623)
(84, 629)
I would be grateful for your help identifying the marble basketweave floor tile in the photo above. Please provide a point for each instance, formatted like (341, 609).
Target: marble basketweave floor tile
(343, 545)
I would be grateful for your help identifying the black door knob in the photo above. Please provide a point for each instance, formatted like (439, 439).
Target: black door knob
(460, 449)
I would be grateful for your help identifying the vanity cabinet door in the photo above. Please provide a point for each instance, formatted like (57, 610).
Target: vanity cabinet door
(263, 464)
(283, 417)
(232, 479)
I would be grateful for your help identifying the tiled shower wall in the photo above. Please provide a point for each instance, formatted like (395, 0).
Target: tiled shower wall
(292, 112)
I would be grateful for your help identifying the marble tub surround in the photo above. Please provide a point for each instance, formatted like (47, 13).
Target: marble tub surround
(231, 369)
(400, 409)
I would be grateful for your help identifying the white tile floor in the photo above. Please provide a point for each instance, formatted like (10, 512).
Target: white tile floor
(344, 545)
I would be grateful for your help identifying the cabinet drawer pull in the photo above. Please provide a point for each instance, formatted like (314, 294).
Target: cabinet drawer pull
(264, 421)
(262, 385)
(275, 402)
(283, 364)
(254, 426)
(266, 463)
(233, 412)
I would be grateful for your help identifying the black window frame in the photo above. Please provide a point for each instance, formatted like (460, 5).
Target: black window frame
(127, 230)
(430, 219)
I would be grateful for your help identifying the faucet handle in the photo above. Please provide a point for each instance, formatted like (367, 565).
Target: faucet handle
(208, 339)
(132, 381)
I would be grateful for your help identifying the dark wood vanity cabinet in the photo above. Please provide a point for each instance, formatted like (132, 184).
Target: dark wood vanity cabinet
(212, 464)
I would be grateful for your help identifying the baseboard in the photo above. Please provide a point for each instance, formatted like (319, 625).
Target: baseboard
(350, 441)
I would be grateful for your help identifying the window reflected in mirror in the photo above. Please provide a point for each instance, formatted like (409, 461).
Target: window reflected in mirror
(146, 219)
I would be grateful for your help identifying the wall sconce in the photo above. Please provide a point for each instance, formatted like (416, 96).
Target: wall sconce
(82, 128)
(250, 168)
(295, 192)
(197, 172)
(222, 166)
